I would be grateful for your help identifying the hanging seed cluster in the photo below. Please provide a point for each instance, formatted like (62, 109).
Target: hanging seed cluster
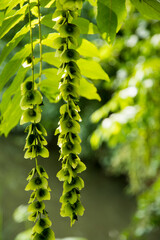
(34, 147)
(69, 128)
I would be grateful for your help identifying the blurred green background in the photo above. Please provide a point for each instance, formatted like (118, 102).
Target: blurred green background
(120, 142)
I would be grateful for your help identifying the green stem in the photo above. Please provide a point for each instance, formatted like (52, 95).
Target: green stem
(31, 40)
(40, 41)
(36, 162)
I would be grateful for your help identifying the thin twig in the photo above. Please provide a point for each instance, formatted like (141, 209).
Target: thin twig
(31, 40)
(40, 41)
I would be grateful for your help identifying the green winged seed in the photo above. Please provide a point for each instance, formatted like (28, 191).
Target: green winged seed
(40, 129)
(73, 73)
(42, 151)
(30, 98)
(41, 171)
(30, 140)
(69, 147)
(66, 210)
(27, 62)
(33, 216)
(31, 174)
(27, 86)
(43, 194)
(70, 55)
(79, 209)
(69, 126)
(69, 90)
(69, 30)
(32, 197)
(46, 234)
(72, 105)
(30, 153)
(73, 112)
(71, 4)
(37, 182)
(58, 42)
(42, 140)
(42, 224)
(80, 166)
(74, 138)
(65, 175)
(73, 160)
(76, 183)
(70, 197)
(72, 172)
(36, 207)
(73, 41)
(31, 115)
(35, 151)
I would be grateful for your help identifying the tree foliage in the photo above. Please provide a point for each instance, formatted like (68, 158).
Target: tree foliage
(78, 61)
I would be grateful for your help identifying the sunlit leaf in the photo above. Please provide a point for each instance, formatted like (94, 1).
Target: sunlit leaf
(107, 21)
(12, 89)
(16, 39)
(49, 86)
(88, 90)
(51, 59)
(88, 49)
(11, 116)
(13, 65)
(148, 8)
(10, 22)
(92, 69)
(85, 26)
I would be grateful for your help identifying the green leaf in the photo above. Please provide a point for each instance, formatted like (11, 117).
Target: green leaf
(1, 18)
(148, 8)
(49, 86)
(12, 4)
(107, 21)
(11, 21)
(48, 41)
(11, 116)
(93, 2)
(10, 108)
(9, 3)
(86, 27)
(15, 40)
(47, 3)
(92, 69)
(12, 89)
(47, 21)
(119, 8)
(50, 58)
(13, 65)
(88, 90)
(88, 49)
